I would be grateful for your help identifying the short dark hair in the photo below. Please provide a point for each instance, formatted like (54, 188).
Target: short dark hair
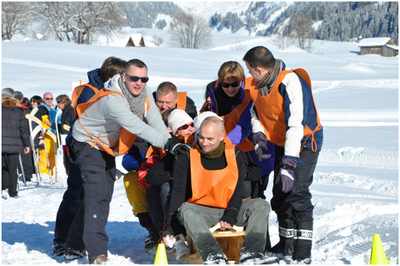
(166, 87)
(137, 63)
(111, 66)
(36, 99)
(259, 56)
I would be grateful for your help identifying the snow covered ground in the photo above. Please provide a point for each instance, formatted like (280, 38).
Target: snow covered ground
(355, 189)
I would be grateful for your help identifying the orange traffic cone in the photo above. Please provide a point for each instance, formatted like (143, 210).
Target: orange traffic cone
(378, 256)
(161, 255)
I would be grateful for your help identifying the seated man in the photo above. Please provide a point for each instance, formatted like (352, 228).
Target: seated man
(210, 179)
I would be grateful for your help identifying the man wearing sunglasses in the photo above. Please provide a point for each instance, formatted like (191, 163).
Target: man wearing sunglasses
(125, 110)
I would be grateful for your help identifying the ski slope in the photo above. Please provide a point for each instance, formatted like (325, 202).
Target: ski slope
(355, 189)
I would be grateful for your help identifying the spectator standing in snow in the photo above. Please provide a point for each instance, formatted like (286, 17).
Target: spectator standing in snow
(15, 140)
(285, 106)
(65, 124)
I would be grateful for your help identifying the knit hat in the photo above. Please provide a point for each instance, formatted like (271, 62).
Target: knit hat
(178, 118)
(7, 92)
(202, 116)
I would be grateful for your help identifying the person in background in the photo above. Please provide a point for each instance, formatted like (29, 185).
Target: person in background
(47, 142)
(285, 107)
(26, 164)
(65, 124)
(36, 101)
(15, 140)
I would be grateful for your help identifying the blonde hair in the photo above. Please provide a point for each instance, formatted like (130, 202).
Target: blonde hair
(230, 69)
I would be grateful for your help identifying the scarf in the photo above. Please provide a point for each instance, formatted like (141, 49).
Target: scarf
(266, 82)
(136, 103)
(218, 152)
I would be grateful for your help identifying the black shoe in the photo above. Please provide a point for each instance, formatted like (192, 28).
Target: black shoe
(216, 258)
(73, 254)
(58, 250)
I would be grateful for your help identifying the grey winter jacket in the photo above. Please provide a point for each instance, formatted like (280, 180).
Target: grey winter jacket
(105, 118)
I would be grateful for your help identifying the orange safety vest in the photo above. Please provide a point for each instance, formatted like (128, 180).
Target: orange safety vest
(231, 119)
(213, 188)
(182, 98)
(126, 138)
(270, 108)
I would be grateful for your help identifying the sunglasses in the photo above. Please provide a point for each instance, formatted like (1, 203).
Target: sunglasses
(48, 99)
(233, 84)
(136, 78)
(185, 126)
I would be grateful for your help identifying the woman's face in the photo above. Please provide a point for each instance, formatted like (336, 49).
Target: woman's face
(231, 86)
(185, 130)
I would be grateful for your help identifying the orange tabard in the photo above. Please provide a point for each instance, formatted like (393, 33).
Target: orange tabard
(270, 109)
(126, 138)
(213, 188)
(181, 103)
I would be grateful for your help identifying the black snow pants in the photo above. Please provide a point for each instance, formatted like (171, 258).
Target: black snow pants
(294, 209)
(9, 179)
(68, 230)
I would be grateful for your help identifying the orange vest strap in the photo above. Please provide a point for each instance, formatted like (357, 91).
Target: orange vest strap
(231, 119)
(182, 98)
(98, 94)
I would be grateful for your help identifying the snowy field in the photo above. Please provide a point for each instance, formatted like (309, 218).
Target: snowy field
(355, 189)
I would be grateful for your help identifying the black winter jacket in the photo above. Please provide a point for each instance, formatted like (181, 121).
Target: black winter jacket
(14, 126)
(67, 119)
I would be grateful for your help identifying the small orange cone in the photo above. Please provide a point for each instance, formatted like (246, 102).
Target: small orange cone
(161, 255)
(378, 256)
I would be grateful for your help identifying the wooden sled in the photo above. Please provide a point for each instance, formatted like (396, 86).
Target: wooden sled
(230, 241)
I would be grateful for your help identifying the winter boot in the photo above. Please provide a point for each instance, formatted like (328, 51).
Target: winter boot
(145, 221)
(73, 254)
(58, 249)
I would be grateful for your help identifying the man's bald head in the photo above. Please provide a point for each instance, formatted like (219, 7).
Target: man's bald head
(211, 133)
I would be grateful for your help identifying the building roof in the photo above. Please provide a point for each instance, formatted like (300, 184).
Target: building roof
(368, 42)
(394, 47)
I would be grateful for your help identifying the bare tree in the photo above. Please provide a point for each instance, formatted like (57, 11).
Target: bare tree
(190, 31)
(79, 21)
(300, 28)
(14, 16)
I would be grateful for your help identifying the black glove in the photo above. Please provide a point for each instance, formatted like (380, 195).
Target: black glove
(261, 146)
(287, 173)
(174, 146)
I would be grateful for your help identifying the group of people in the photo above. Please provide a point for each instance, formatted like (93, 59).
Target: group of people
(188, 172)
(29, 136)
